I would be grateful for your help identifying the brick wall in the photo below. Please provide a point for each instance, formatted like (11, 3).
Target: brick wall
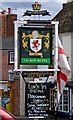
(16, 97)
(6, 30)
(0, 65)
(7, 21)
(5, 65)
(10, 24)
(3, 25)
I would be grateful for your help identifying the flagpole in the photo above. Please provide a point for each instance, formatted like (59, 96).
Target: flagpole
(56, 62)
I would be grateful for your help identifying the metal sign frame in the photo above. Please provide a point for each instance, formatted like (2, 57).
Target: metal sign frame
(19, 23)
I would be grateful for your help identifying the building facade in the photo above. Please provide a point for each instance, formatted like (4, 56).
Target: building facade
(65, 18)
(8, 92)
(13, 87)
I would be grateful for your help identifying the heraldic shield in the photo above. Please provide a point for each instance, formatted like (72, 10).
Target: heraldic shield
(35, 45)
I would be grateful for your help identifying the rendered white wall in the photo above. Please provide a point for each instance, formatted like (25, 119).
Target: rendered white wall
(66, 42)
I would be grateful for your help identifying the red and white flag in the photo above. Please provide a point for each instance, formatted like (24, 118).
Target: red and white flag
(64, 70)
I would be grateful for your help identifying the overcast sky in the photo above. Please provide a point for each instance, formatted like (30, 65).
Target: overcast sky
(34, 0)
(20, 6)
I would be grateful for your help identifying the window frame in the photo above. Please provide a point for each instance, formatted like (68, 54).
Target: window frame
(9, 76)
(62, 101)
(9, 57)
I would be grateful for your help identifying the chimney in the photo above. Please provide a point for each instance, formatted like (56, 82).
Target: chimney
(3, 12)
(3, 23)
(7, 25)
(9, 11)
(10, 18)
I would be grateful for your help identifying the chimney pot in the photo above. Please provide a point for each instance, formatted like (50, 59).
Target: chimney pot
(9, 11)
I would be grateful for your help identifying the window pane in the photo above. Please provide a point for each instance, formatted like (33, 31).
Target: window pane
(60, 104)
(65, 100)
(11, 76)
(11, 57)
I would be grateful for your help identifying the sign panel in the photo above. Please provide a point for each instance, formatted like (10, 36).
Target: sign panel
(35, 45)
(37, 99)
(36, 12)
(37, 74)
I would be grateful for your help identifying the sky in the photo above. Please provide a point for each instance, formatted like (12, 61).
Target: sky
(20, 6)
(33, 0)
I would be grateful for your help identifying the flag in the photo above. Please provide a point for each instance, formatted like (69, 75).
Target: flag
(64, 70)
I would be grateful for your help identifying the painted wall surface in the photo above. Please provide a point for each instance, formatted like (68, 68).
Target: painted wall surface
(72, 54)
(66, 42)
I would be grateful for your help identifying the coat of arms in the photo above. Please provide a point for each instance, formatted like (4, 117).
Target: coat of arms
(35, 43)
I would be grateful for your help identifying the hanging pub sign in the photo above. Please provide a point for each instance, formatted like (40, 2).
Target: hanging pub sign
(37, 100)
(35, 45)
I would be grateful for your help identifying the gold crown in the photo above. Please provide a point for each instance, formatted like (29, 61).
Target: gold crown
(36, 6)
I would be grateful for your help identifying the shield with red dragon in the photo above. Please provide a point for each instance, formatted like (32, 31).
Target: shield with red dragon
(35, 45)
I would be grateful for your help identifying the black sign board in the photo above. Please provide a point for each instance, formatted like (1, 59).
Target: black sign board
(29, 13)
(37, 100)
(35, 45)
(37, 74)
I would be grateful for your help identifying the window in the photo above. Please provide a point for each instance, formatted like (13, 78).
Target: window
(64, 101)
(11, 76)
(11, 57)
